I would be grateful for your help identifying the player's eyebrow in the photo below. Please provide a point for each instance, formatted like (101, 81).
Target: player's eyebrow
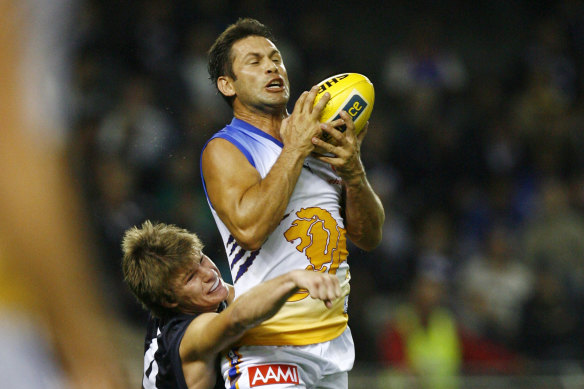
(258, 55)
(253, 54)
(199, 256)
(198, 259)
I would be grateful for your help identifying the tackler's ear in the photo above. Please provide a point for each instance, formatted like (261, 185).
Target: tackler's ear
(168, 304)
(168, 301)
(225, 86)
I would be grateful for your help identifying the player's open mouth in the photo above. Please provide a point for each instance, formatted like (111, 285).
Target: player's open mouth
(277, 84)
(215, 285)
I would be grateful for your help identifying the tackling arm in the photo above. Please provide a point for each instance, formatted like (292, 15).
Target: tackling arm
(210, 333)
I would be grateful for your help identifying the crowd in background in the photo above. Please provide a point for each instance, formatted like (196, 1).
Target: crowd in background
(476, 146)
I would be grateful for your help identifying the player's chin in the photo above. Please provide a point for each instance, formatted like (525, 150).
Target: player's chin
(277, 100)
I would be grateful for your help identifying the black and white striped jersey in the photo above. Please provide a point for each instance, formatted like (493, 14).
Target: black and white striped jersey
(162, 363)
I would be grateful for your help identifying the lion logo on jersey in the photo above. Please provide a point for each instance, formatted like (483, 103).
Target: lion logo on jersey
(322, 240)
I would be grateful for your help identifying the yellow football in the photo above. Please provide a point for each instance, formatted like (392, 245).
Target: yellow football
(351, 92)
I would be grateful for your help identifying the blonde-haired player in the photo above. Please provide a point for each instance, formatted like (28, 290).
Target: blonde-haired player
(193, 316)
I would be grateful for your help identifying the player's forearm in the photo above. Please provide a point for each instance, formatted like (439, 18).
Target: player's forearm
(262, 207)
(211, 332)
(364, 213)
(261, 302)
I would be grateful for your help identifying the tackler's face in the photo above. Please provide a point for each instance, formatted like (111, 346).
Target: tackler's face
(261, 80)
(199, 288)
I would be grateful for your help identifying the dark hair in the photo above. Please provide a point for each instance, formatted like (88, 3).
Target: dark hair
(220, 58)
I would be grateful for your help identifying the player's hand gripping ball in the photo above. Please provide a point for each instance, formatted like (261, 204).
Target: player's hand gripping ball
(351, 92)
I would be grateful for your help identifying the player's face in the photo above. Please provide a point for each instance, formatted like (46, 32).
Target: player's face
(200, 287)
(261, 77)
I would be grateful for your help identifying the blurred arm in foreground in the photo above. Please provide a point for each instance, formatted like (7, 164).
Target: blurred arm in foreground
(44, 231)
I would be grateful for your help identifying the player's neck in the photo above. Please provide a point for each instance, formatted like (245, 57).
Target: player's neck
(267, 121)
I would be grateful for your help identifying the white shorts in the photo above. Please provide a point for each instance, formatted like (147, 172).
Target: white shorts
(320, 365)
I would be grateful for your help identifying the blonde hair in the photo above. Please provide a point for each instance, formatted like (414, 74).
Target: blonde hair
(153, 254)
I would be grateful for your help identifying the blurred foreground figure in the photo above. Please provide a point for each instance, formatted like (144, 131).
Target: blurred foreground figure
(54, 328)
